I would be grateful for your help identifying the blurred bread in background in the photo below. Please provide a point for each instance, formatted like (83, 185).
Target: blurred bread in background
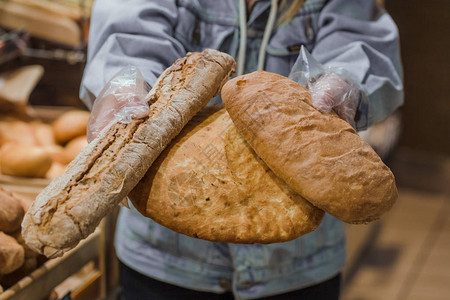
(39, 150)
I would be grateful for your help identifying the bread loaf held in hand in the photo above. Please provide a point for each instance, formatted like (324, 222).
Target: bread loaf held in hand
(209, 184)
(104, 172)
(318, 155)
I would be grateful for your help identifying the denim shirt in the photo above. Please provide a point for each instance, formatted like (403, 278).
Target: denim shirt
(151, 34)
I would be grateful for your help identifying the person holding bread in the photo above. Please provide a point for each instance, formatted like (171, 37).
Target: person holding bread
(356, 36)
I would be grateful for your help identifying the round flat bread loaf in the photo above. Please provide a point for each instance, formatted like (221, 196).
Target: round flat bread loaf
(318, 155)
(210, 184)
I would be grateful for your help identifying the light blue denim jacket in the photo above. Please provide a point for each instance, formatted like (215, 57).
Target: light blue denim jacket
(151, 34)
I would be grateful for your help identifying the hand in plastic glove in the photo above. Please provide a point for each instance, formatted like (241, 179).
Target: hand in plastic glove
(122, 99)
(337, 92)
(331, 88)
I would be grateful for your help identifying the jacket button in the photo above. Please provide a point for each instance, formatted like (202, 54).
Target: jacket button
(225, 284)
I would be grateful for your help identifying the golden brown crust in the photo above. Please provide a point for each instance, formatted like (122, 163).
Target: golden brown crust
(11, 211)
(11, 254)
(43, 134)
(28, 253)
(17, 132)
(104, 172)
(70, 125)
(24, 160)
(73, 147)
(319, 155)
(209, 184)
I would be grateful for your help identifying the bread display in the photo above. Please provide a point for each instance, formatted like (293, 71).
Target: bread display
(318, 155)
(34, 141)
(74, 147)
(11, 211)
(24, 160)
(17, 260)
(28, 266)
(17, 132)
(57, 153)
(209, 184)
(43, 134)
(70, 125)
(55, 170)
(25, 202)
(11, 254)
(104, 172)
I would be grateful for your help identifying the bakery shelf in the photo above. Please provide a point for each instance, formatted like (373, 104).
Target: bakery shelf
(41, 282)
(25, 186)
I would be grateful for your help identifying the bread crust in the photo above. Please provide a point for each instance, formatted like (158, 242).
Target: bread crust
(209, 184)
(319, 155)
(104, 172)
(12, 255)
(70, 125)
(24, 160)
(11, 211)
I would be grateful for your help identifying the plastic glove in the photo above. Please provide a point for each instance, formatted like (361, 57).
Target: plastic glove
(337, 92)
(331, 88)
(122, 99)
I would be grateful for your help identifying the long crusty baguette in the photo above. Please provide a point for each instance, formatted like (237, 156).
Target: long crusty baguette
(319, 155)
(209, 184)
(104, 172)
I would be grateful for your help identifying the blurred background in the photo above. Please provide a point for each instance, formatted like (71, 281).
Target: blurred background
(403, 256)
(406, 254)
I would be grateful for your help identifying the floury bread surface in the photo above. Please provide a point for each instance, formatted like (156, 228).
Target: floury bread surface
(318, 155)
(209, 184)
(104, 172)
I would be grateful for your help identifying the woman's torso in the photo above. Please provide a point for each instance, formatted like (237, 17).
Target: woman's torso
(249, 270)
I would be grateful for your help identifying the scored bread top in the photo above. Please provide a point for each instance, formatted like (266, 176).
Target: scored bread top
(105, 171)
(209, 184)
(317, 154)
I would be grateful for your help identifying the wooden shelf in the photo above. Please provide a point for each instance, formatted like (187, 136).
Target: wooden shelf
(43, 280)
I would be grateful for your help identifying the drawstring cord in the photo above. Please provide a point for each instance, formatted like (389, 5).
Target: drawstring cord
(243, 38)
(267, 33)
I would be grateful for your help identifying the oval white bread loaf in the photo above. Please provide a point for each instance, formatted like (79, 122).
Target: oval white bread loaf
(319, 155)
(209, 184)
(57, 154)
(24, 160)
(70, 125)
(104, 172)
(74, 147)
(55, 170)
(43, 133)
(16, 131)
